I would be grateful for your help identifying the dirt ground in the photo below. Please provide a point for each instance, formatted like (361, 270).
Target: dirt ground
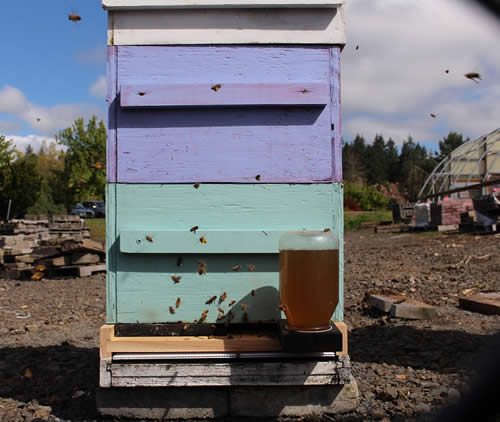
(49, 331)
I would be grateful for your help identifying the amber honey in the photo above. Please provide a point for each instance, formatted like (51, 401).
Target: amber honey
(309, 288)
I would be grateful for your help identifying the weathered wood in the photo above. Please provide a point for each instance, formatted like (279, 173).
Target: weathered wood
(484, 303)
(237, 26)
(87, 270)
(83, 258)
(224, 374)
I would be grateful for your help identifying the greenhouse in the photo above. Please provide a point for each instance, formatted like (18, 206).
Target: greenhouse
(470, 171)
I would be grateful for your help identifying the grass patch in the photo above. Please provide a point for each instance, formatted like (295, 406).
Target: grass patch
(353, 219)
(97, 228)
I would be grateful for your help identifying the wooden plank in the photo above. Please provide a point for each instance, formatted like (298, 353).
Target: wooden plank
(228, 26)
(145, 289)
(186, 242)
(336, 122)
(484, 303)
(112, 73)
(183, 4)
(224, 374)
(111, 253)
(87, 270)
(231, 145)
(110, 344)
(223, 95)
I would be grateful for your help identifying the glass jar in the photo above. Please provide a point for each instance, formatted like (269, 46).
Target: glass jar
(309, 279)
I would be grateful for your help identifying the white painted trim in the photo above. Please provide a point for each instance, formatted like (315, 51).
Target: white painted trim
(242, 26)
(205, 4)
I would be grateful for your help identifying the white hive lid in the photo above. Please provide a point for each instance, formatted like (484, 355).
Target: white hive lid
(207, 4)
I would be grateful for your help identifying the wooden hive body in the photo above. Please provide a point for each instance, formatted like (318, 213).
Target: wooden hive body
(224, 128)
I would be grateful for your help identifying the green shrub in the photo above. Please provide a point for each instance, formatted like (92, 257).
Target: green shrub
(365, 198)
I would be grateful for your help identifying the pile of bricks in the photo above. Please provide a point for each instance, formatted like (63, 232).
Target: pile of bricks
(57, 246)
(448, 211)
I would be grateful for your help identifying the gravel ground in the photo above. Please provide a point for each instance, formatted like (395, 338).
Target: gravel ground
(405, 369)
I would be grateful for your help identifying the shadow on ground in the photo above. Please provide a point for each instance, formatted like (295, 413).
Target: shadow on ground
(63, 377)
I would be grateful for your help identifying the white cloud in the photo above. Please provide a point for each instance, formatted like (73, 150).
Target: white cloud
(46, 120)
(99, 87)
(12, 100)
(397, 77)
(21, 142)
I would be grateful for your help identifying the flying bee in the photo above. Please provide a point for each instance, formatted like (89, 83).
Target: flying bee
(433, 115)
(171, 310)
(232, 303)
(203, 316)
(178, 302)
(179, 262)
(196, 185)
(211, 300)
(357, 47)
(203, 240)
(251, 267)
(149, 238)
(222, 297)
(447, 71)
(202, 267)
(193, 229)
(236, 268)
(37, 276)
(221, 313)
(176, 278)
(40, 267)
(257, 177)
(74, 17)
(98, 165)
(327, 230)
(473, 76)
(252, 292)
(216, 87)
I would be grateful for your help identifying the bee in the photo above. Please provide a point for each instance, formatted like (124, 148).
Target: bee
(73, 17)
(98, 165)
(211, 300)
(232, 303)
(251, 267)
(178, 302)
(171, 310)
(257, 177)
(244, 307)
(38, 119)
(216, 87)
(203, 316)
(252, 292)
(357, 47)
(222, 297)
(186, 327)
(281, 308)
(37, 276)
(433, 115)
(236, 268)
(327, 230)
(447, 71)
(473, 76)
(193, 229)
(149, 238)
(202, 267)
(40, 268)
(179, 262)
(203, 240)
(196, 185)
(176, 278)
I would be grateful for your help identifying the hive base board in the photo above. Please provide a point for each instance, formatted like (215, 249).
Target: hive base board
(214, 402)
(110, 343)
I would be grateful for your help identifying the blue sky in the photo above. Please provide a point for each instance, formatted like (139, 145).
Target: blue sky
(54, 69)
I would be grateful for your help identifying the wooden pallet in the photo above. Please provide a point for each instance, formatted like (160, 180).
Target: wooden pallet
(110, 343)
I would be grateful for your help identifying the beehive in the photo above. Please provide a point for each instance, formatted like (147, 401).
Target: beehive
(224, 132)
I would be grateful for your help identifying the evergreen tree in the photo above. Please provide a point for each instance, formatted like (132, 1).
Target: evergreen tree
(449, 143)
(392, 157)
(376, 162)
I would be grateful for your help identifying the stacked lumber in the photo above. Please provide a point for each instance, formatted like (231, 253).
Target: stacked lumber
(448, 211)
(57, 246)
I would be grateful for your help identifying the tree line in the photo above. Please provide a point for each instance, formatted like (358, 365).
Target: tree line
(58, 175)
(382, 162)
